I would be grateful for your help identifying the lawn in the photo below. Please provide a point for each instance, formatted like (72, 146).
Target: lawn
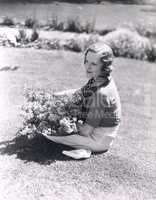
(37, 170)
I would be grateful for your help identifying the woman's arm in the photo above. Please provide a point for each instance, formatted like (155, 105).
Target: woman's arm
(83, 140)
(67, 92)
(98, 140)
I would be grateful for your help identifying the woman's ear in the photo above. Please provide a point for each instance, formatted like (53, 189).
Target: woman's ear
(106, 61)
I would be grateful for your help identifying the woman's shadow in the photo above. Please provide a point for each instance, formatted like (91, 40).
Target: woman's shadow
(38, 149)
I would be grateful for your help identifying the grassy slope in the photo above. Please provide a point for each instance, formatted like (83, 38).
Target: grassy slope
(127, 171)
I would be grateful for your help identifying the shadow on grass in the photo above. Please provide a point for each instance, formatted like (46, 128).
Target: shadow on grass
(38, 149)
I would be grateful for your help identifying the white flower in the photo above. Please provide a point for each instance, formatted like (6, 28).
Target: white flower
(42, 112)
(74, 119)
(80, 121)
(65, 121)
(41, 116)
(26, 130)
(74, 127)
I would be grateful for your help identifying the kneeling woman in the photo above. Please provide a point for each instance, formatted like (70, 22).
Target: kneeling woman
(101, 109)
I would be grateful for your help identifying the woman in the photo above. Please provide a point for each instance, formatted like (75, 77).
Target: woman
(101, 109)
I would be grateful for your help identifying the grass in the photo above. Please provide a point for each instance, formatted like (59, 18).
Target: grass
(83, 17)
(77, 26)
(104, 14)
(37, 170)
(70, 25)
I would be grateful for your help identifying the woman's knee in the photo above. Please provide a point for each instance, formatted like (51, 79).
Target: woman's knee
(103, 145)
(100, 148)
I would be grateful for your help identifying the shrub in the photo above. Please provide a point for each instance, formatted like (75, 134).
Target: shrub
(22, 36)
(146, 30)
(106, 31)
(54, 24)
(129, 44)
(50, 114)
(8, 21)
(34, 35)
(91, 39)
(152, 54)
(30, 22)
(73, 45)
(71, 25)
(55, 44)
(89, 27)
(143, 29)
(60, 26)
(74, 25)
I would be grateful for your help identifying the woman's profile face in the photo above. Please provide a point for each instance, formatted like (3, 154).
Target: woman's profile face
(92, 65)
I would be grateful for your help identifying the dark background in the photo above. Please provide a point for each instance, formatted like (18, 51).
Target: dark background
(81, 1)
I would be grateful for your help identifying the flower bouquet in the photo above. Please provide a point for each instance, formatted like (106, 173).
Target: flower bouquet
(51, 114)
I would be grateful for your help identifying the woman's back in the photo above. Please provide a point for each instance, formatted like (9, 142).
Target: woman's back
(102, 107)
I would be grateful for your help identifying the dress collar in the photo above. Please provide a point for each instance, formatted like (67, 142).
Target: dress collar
(93, 85)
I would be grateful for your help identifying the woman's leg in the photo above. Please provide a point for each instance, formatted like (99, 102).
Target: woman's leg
(106, 135)
(99, 141)
(79, 142)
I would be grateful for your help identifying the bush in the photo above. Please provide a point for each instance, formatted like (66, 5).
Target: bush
(105, 31)
(50, 114)
(129, 44)
(152, 54)
(91, 40)
(8, 21)
(34, 35)
(73, 45)
(22, 36)
(71, 25)
(74, 25)
(89, 27)
(79, 43)
(146, 30)
(30, 22)
(54, 24)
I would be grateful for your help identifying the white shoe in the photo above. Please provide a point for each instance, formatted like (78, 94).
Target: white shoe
(78, 153)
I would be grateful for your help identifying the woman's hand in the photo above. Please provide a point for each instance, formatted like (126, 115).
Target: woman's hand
(47, 135)
(85, 129)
